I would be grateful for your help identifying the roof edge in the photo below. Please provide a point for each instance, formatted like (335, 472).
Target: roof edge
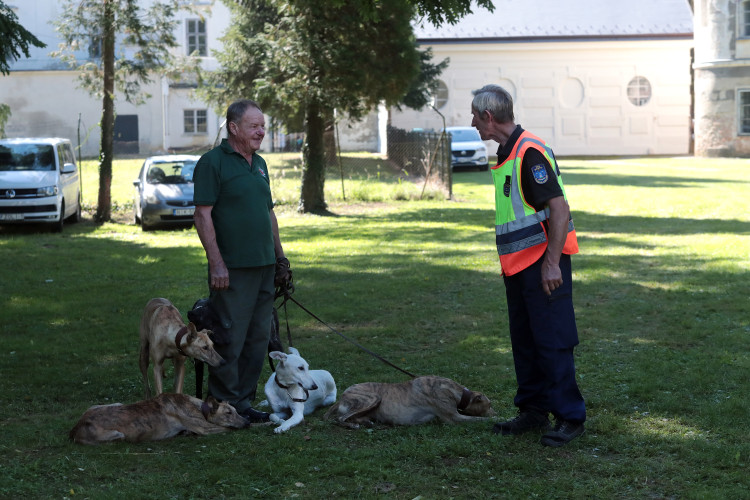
(571, 38)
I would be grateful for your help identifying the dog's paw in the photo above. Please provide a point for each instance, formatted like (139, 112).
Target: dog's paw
(280, 429)
(263, 403)
(275, 419)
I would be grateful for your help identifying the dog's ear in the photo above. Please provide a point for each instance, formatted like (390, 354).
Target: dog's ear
(213, 403)
(192, 332)
(206, 409)
(277, 355)
(294, 351)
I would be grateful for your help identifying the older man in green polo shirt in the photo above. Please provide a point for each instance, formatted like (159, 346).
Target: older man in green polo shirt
(237, 226)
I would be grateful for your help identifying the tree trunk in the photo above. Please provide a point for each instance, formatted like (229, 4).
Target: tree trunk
(104, 207)
(312, 197)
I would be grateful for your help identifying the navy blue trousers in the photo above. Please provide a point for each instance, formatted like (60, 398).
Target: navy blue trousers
(543, 334)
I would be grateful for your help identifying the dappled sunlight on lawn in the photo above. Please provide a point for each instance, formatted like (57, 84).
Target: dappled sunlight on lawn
(663, 427)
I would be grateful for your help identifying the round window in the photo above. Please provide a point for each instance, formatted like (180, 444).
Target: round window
(440, 95)
(639, 91)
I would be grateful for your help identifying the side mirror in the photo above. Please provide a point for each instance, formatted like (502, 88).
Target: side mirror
(68, 168)
(137, 183)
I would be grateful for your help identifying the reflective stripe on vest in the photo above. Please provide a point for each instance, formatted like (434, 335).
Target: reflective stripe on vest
(521, 238)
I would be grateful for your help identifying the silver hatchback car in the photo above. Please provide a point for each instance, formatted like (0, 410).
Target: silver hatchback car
(164, 192)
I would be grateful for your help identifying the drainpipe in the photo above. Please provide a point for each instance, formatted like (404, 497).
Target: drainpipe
(165, 114)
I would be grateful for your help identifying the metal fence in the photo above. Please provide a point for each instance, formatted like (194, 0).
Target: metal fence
(422, 155)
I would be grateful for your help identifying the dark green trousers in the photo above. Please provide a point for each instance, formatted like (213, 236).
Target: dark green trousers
(245, 310)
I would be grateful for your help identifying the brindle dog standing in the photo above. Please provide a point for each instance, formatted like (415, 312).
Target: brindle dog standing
(409, 403)
(164, 335)
(161, 417)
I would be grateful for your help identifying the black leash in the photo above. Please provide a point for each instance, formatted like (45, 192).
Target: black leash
(287, 297)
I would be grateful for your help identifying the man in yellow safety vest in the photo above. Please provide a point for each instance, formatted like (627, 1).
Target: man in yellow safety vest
(535, 238)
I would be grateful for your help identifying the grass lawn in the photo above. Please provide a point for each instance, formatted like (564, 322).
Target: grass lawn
(661, 295)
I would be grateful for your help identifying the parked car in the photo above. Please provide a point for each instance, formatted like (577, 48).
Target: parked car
(164, 191)
(467, 148)
(39, 182)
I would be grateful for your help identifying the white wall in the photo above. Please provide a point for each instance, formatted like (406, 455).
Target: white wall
(573, 94)
(45, 99)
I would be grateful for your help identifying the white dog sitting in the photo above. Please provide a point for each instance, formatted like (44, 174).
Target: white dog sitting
(294, 390)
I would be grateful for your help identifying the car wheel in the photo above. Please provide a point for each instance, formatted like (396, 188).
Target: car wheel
(136, 219)
(76, 217)
(57, 226)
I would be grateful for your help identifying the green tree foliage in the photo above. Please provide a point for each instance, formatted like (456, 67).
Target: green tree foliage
(301, 59)
(4, 117)
(14, 39)
(91, 30)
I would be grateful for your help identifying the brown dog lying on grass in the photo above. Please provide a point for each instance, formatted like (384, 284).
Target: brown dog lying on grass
(162, 417)
(409, 403)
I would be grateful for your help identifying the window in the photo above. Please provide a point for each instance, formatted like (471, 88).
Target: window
(744, 112)
(745, 19)
(639, 91)
(196, 37)
(196, 121)
(440, 95)
(95, 47)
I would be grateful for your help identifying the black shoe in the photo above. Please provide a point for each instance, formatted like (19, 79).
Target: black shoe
(563, 433)
(527, 420)
(254, 416)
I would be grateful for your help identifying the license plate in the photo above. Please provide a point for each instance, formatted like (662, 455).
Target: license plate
(11, 216)
(181, 212)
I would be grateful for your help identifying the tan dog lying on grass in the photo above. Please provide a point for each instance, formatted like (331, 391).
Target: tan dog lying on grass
(164, 335)
(409, 403)
(162, 417)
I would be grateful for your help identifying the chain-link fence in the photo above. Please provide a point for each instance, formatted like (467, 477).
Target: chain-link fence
(424, 155)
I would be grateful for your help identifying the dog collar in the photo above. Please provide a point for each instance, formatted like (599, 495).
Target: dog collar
(285, 387)
(465, 399)
(178, 339)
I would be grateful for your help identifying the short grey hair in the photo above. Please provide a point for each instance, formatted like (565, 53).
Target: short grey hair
(237, 109)
(496, 100)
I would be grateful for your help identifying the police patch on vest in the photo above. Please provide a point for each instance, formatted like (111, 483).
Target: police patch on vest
(539, 173)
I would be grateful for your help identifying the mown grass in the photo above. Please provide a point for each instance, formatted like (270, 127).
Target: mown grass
(661, 294)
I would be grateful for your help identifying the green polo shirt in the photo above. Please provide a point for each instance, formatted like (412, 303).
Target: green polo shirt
(241, 198)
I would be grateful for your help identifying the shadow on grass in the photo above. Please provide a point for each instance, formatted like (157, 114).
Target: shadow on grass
(419, 286)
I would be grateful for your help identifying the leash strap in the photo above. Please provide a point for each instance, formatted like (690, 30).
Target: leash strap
(286, 319)
(289, 297)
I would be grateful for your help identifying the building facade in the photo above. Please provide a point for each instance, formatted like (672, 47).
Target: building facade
(592, 77)
(722, 78)
(45, 100)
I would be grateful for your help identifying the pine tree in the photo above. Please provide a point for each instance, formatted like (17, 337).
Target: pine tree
(303, 59)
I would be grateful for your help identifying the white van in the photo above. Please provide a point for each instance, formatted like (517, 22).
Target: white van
(39, 182)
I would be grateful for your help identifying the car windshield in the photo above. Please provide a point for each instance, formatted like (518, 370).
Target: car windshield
(171, 172)
(465, 135)
(21, 157)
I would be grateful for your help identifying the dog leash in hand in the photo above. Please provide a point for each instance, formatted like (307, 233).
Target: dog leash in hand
(375, 355)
